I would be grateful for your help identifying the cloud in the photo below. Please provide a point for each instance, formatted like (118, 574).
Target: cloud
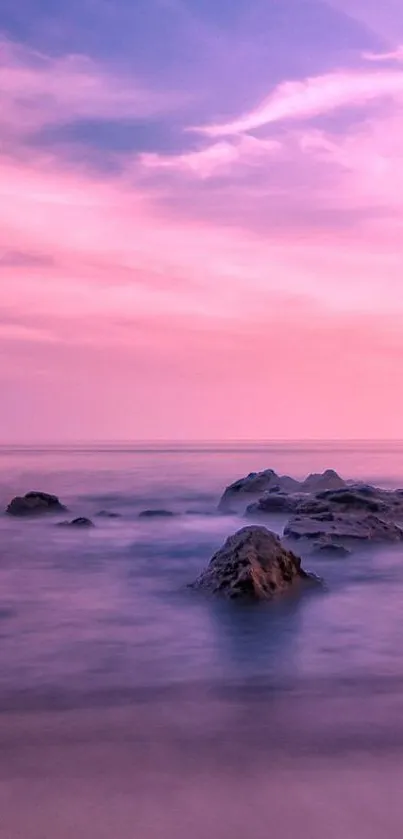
(314, 96)
(216, 159)
(394, 55)
(37, 90)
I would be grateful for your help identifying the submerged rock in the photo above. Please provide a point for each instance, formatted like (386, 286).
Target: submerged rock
(35, 503)
(106, 514)
(81, 521)
(252, 564)
(156, 514)
(343, 526)
(326, 548)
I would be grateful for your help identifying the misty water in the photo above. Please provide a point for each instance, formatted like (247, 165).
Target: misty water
(166, 712)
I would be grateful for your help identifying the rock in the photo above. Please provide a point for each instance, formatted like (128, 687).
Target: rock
(352, 500)
(258, 484)
(255, 484)
(35, 503)
(273, 502)
(252, 564)
(342, 526)
(313, 507)
(154, 514)
(330, 549)
(81, 521)
(105, 514)
(328, 480)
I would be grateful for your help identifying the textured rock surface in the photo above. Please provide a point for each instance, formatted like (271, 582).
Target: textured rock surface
(328, 480)
(252, 564)
(273, 502)
(257, 485)
(343, 527)
(34, 503)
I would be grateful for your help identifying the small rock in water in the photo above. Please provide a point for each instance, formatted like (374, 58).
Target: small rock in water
(330, 549)
(106, 514)
(154, 514)
(252, 564)
(81, 521)
(35, 503)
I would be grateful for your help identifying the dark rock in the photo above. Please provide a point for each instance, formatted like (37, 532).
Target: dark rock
(154, 514)
(273, 503)
(35, 503)
(252, 564)
(352, 499)
(330, 549)
(328, 480)
(344, 527)
(312, 507)
(255, 484)
(105, 514)
(81, 521)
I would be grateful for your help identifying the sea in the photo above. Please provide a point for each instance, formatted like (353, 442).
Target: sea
(134, 707)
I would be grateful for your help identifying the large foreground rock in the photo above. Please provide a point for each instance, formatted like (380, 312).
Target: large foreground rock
(252, 564)
(35, 503)
(334, 528)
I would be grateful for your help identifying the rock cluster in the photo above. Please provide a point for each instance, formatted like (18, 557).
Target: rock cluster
(258, 484)
(326, 511)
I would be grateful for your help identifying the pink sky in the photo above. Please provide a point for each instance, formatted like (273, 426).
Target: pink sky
(245, 284)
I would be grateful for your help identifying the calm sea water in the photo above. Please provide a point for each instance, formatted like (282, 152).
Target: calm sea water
(98, 624)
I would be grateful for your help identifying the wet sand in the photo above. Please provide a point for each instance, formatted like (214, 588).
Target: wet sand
(149, 772)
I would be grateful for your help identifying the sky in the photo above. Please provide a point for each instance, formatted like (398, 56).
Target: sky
(201, 219)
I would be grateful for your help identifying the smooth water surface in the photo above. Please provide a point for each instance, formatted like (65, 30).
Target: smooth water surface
(109, 662)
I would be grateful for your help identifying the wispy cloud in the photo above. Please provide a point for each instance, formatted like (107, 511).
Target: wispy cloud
(36, 90)
(393, 55)
(296, 100)
(216, 159)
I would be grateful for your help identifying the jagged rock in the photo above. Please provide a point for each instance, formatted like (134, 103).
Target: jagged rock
(154, 514)
(342, 526)
(328, 480)
(81, 521)
(252, 564)
(255, 484)
(259, 484)
(35, 503)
